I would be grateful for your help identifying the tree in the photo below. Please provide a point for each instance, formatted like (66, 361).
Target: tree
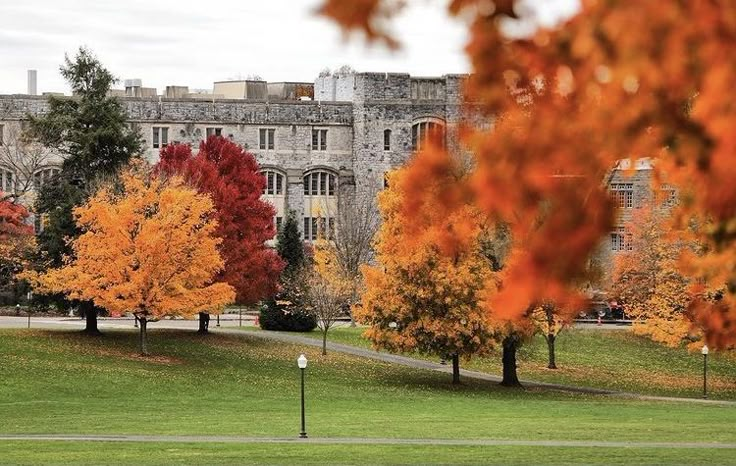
(147, 247)
(351, 246)
(231, 176)
(619, 79)
(16, 242)
(419, 297)
(289, 309)
(328, 292)
(289, 245)
(91, 133)
(648, 283)
(23, 157)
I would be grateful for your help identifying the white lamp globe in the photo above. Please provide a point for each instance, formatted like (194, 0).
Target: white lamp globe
(302, 362)
(704, 350)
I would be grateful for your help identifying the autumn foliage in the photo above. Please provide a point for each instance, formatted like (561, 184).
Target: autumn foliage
(148, 247)
(417, 296)
(16, 240)
(231, 177)
(620, 79)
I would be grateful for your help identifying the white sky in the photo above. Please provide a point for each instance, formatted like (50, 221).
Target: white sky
(183, 42)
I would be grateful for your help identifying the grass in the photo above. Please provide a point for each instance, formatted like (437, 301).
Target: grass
(611, 359)
(189, 453)
(63, 382)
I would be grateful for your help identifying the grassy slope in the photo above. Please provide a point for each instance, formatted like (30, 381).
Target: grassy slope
(54, 382)
(613, 359)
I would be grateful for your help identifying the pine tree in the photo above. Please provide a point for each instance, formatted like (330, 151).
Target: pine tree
(90, 131)
(290, 246)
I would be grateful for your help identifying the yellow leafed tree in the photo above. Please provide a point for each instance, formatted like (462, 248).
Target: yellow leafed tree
(148, 248)
(418, 298)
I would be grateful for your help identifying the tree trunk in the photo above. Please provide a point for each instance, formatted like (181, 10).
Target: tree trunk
(510, 345)
(324, 342)
(551, 350)
(204, 322)
(143, 345)
(455, 369)
(90, 316)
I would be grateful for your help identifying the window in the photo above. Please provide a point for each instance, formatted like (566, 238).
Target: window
(160, 136)
(266, 138)
(213, 132)
(319, 227)
(422, 131)
(623, 195)
(621, 240)
(319, 183)
(279, 221)
(43, 176)
(7, 181)
(274, 183)
(2, 134)
(387, 139)
(319, 139)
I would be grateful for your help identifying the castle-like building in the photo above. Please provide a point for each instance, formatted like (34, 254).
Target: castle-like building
(314, 141)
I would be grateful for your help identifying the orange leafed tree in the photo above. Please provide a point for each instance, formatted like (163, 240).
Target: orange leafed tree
(419, 297)
(649, 284)
(620, 79)
(148, 248)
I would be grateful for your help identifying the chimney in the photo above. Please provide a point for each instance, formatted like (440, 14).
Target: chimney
(32, 82)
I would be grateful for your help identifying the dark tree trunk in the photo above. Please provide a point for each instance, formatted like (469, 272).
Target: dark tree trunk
(455, 369)
(550, 336)
(143, 344)
(510, 345)
(90, 317)
(324, 342)
(204, 322)
(551, 350)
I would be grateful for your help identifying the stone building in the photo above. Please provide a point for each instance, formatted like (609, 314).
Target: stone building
(314, 141)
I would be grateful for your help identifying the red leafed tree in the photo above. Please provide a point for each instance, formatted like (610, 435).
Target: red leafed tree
(620, 79)
(231, 176)
(16, 241)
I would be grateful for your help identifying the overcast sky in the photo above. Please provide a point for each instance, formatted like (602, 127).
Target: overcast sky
(183, 42)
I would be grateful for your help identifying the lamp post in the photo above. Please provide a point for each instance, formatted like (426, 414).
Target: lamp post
(302, 363)
(704, 352)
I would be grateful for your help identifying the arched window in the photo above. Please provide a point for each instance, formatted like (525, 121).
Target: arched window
(7, 180)
(320, 204)
(320, 183)
(274, 183)
(423, 129)
(387, 139)
(43, 176)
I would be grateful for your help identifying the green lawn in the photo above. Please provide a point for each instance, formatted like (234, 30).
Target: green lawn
(62, 382)
(612, 359)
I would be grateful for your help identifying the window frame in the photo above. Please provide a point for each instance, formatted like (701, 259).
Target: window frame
(422, 128)
(276, 188)
(320, 183)
(319, 139)
(159, 137)
(386, 139)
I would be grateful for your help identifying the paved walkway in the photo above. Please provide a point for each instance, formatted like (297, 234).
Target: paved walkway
(364, 441)
(230, 327)
(422, 364)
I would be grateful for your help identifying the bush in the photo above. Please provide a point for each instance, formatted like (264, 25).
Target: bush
(285, 318)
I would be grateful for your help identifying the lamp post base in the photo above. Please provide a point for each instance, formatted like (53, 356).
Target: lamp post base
(303, 435)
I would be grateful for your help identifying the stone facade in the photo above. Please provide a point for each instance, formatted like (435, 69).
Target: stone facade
(365, 120)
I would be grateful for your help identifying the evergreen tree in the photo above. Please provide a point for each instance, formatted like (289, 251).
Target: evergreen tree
(290, 246)
(91, 133)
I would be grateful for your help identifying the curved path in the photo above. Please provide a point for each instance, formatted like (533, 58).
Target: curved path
(422, 364)
(364, 441)
(230, 327)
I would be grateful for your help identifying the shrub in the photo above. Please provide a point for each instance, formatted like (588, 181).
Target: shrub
(276, 315)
